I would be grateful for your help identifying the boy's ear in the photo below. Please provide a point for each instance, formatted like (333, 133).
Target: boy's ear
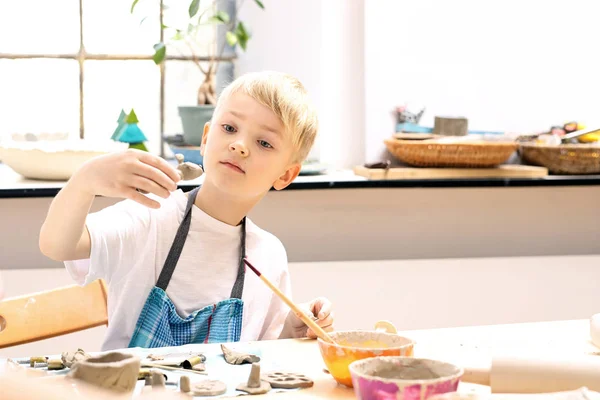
(287, 177)
(204, 137)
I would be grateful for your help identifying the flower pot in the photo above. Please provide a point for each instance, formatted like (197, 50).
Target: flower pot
(193, 119)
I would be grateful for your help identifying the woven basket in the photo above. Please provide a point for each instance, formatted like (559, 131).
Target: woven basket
(566, 159)
(425, 153)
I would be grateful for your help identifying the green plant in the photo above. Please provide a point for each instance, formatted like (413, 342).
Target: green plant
(188, 31)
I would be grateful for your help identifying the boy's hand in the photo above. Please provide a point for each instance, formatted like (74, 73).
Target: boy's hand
(125, 174)
(319, 308)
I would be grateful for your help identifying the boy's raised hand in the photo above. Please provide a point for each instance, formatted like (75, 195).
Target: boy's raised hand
(125, 174)
(320, 308)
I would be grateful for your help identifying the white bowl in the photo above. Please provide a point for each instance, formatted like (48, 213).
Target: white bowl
(53, 159)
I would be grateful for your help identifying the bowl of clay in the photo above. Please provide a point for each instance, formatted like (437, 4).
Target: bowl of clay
(114, 371)
(351, 346)
(53, 159)
(405, 378)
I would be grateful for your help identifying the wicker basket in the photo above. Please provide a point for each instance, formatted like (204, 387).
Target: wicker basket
(426, 153)
(566, 159)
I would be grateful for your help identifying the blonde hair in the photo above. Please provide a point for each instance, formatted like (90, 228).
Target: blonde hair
(287, 98)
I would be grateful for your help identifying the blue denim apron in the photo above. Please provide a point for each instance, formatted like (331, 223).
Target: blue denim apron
(159, 325)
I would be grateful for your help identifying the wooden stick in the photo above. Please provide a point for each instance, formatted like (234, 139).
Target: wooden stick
(305, 318)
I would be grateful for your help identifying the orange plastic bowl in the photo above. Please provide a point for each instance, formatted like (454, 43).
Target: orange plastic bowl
(358, 345)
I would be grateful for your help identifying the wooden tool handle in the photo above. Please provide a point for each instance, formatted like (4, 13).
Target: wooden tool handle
(297, 310)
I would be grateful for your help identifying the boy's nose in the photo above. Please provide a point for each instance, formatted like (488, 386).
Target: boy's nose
(239, 147)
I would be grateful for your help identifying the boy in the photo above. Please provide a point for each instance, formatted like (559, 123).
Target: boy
(174, 262)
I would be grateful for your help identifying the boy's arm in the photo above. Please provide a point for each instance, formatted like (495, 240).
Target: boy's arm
(64, 235)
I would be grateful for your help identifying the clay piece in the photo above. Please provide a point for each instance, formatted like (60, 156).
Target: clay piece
(184, 384)
(236, 358)
(199, 367)
(71, 357)
(208, 387)
(254, 385)
(54, 365)
(115, 371)
(158, 379)
(287, 380)
(187, 170)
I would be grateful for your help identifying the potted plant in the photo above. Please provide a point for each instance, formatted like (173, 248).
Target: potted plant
(222, 16)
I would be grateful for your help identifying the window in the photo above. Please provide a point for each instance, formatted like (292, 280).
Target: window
(72, 65)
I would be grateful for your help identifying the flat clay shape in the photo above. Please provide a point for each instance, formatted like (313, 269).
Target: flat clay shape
(287, 380)
(237, 358)
(208, 387)
(254, 385)
(71, 357)
(114, 371)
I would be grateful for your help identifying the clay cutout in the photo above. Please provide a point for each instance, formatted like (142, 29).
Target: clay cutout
(199, 367)
(237, 358)
(287, 380)
(71, 357)
(54, 365)
(209, 387)
(184, 384)
(187, 170)
(158, 379)
(114, 371)
(254, 385)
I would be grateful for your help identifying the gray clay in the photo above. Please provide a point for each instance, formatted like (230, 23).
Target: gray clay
(209, 387)
(255, 385)
(184, 384)
(237, 358)
(158, 379)
(71, 357)
(114, 371)
(287, 380)
(187, 170)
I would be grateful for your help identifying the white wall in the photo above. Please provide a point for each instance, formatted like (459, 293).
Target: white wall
(510, 65)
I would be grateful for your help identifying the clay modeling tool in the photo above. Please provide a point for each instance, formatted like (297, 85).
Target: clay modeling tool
(536, 374)
(180, 369)
(305, 318)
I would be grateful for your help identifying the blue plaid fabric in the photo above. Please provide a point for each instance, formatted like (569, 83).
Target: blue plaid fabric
(159, 325)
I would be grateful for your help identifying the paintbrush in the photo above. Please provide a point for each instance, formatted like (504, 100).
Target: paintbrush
(305, 318)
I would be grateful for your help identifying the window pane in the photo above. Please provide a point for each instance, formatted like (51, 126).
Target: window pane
(110, 28)
(39, 96)
(199, 43)
(39, 26)
(110, 86)
(182, 80)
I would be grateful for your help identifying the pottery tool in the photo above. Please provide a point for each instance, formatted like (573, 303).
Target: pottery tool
(536, 374)
(305, 318)
(158, 366)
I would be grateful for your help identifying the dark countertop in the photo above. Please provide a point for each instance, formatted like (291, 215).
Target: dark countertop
(13, 185)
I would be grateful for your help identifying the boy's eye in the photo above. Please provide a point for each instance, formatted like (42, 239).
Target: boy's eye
(265, 144)
(228, 128)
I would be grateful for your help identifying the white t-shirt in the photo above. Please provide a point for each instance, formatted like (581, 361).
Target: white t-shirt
(129, 245)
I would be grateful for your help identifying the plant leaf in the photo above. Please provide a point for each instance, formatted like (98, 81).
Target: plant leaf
(194, 7)
(231, 38)
(220, 17)
(260, 4)
(133, 5)
(178, 35)
(242, 35)
(160, 51)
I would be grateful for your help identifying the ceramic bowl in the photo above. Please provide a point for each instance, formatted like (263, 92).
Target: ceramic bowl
(404, 378)
(357, 345)
(53, 159)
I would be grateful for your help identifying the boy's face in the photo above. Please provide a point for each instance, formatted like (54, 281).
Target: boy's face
(246, 150)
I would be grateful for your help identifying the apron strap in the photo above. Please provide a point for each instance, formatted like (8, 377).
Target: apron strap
(180, 237)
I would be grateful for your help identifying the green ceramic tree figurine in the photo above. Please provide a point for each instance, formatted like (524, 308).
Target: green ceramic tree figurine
(120, 123)
(131, 133)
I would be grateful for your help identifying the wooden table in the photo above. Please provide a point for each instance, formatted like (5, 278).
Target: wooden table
(462, 346)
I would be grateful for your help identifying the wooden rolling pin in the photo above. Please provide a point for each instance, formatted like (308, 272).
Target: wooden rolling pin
(536, 375)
